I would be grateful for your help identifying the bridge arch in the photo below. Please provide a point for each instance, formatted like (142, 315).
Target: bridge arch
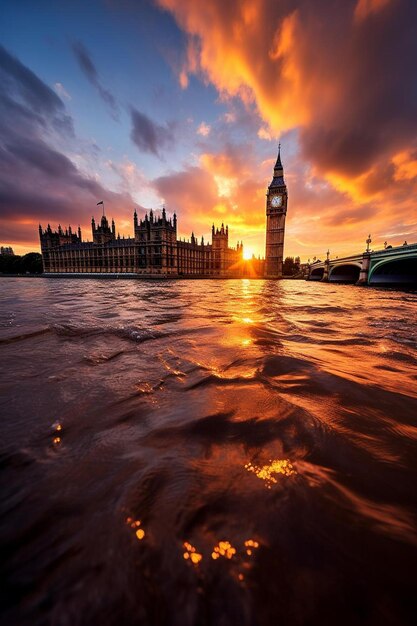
(345, 273)
(316, 273)
(395, 271)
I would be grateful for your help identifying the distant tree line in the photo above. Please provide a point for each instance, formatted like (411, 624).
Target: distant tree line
(291, 266)
(30, 263)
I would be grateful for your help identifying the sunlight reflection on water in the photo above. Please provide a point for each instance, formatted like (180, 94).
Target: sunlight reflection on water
(203, 432)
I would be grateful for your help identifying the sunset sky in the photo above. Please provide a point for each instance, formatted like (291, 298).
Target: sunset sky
(183, 102)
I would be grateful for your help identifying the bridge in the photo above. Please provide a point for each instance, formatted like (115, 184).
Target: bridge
(390, 266)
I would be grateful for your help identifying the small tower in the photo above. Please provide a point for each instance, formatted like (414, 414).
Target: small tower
(276, 211)
(103, 233)
(220, 247)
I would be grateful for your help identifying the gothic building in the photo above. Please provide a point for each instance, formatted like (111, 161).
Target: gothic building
(276, 210)
(155, 250)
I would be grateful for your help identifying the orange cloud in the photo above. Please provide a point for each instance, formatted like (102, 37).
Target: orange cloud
(344, 80)
(220, 189)
(405, 165)
(365, 8)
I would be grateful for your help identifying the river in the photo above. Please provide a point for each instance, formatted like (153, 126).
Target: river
(196, 453)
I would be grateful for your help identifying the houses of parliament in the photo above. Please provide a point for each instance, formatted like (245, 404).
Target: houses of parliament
(156, 251)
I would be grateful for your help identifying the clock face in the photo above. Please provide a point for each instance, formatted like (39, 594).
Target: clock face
(276, 201)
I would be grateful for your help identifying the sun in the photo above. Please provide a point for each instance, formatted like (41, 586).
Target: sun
(247, 253)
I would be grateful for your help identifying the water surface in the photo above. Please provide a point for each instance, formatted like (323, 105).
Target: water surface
(207, 452)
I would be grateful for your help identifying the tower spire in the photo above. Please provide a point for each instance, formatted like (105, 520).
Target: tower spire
(278, 164)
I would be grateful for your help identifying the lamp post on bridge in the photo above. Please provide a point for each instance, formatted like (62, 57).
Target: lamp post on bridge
(326, 272)
(366, 262)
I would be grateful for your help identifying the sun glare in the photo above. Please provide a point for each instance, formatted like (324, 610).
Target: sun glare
(247, 253)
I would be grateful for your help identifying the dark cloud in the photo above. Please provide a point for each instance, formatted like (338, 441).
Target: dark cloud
(39, 155)
(86, 64)
(37, 181)
(27, 98)
(342, 72)
(372, 113)
(148, 135)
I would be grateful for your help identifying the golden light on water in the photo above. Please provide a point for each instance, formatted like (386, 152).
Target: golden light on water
(57, 427)
(135, 524)
(224, 548)
(267, 472)
(191, 553)
(250, 545)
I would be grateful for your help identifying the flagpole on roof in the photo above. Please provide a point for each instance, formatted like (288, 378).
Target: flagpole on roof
(101, 202)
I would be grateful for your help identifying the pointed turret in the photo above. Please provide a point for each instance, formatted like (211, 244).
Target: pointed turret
(278, 179)
(278, 164)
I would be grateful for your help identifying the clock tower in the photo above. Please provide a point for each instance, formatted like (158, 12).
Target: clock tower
(276, 210)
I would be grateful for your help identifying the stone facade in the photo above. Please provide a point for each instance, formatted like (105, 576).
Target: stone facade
(154, 250)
